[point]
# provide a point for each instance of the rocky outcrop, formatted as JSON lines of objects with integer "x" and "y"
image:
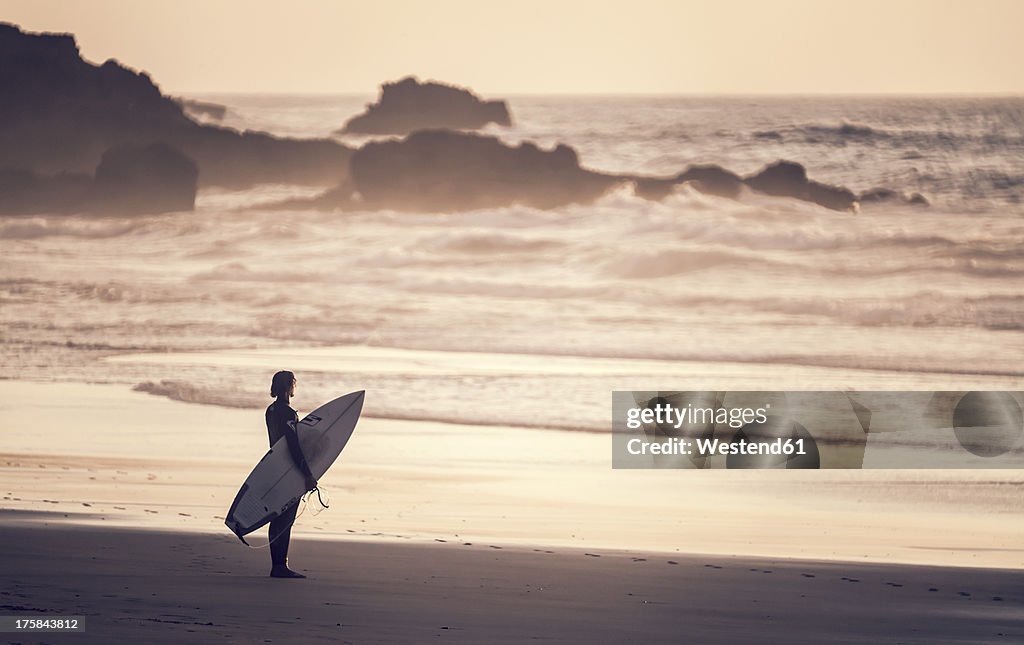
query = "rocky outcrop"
{"x": 24, "y": 192}
{"x": 789, "y": 179}
{"x": 709, "y": 179}
{"x": 445, "y": 171}
{"x": 129, "y": 180}
{"x": 145, "y": 179}
{"x": 442, "y": 170}
{"x": 781, "y": 179}
{"x": 60, "y": 113}
{"x": 887, "y": 195}
{"x": 409, "y": 105}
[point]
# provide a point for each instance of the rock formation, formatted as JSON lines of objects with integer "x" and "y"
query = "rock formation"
{"x": 789, "y": 179}
{"x": 145, "y": 179}
{"x": 60, "y": 113}
{"x": 710, "y": 179}
{"x": 129, "y": 180}
{"x": 408, "y": 105}
{"x": 442, "y": 170}
{"x": 882, "y": 195}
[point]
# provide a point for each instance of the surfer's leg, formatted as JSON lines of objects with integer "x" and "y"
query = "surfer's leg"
{"x": 281, "y": 534}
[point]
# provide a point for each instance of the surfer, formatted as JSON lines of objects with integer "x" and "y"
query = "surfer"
{"x": 279, "y": 413}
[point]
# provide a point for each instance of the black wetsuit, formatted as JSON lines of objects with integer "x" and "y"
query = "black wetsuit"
{"x": 278, "y": 416}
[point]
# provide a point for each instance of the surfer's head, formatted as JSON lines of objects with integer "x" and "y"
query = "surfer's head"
{"x": 283, "y": 384}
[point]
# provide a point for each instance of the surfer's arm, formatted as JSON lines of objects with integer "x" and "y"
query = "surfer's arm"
{"x": 292, "y": 438}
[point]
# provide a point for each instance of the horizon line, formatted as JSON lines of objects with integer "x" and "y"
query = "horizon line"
{"x": 355, "y": 94}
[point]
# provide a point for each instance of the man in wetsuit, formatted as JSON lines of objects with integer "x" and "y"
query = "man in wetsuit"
{"x": 279, "y": 413}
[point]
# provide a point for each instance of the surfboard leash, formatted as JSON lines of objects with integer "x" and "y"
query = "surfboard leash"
{"x": 321, "y": 499}
{"x": 282, "y": 531}
{"x": 297, "y": 516}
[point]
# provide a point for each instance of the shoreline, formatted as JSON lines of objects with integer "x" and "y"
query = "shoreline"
{"x": 143, "y": 461}
{"x": 162, "y": 586}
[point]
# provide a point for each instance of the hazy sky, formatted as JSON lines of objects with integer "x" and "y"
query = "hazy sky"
{"x": 553, "y": 46}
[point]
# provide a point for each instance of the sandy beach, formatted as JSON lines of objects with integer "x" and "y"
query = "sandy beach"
{"x": 137, "y": 460}
{"x": 172, "y": 587}
{"x": 470, "y": 534}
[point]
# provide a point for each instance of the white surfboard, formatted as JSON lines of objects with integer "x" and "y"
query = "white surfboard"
{"x": 276, "y": 482}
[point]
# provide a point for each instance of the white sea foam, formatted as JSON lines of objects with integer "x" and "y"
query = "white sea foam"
{"x": 893, "y": 296}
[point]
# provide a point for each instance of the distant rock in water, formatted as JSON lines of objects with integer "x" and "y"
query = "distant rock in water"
{"x": 789, "y": 179}
{"x": 24, "y": 192}
{"x": 443, "y": 170}
{"x": 409, "y": 105}
{"x": 887, "y": 195}
{"x": 202, "y": 110}
{"x": 709, "y": 179}
{"x": 59, "y": 113}
{"x": 447, "y": 171}
{"x": 129, "y": 180}
{"x": 146, "y": 179}
{"x": 782, "y": 179}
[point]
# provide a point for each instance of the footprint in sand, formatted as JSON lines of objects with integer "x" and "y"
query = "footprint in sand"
{"x": 807, "y": 575}
{"x": 894, "y": 584}
{"x": 121, "y": 508}
{"x": 672, "y": 562}
{"x": 964, "y": 594}
{"x": 439, "y": 540}
{"x": 850, "y": 579}
{"x": 594, "y": 555}
{"x": 149, "y": 511}
{"x": 997, "y": 599}
{"x": 712, "y": 566}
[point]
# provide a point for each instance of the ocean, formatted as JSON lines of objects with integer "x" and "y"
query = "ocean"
{"x": 516, "y": 316}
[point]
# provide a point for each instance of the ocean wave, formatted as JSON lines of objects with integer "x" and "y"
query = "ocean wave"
{"x": 67, "y": 226}
{"x": 923, "y": 309}
{"x": 241, "y": 399}
{"x": 240, "y": 272}
{"x": 814, "y": 133}
{"x": 181, "y": 391}
{"x": 487, "y": 242}
{"x": 465, "y": 286}
{"x": 669, "y": 262}
{"x": 846, "y": 132}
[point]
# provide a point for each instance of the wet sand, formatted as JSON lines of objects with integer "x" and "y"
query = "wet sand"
{"x": 105, "y": 455}
{"x": 139, "y": 586}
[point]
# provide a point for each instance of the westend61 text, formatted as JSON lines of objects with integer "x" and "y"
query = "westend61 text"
{"x": 708, "y": 447}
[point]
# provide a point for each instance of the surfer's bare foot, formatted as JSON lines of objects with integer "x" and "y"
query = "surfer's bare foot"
{"x": 283, "y": 571}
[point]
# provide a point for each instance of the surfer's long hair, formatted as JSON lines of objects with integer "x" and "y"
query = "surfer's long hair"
{"x": 282, "y": 383}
